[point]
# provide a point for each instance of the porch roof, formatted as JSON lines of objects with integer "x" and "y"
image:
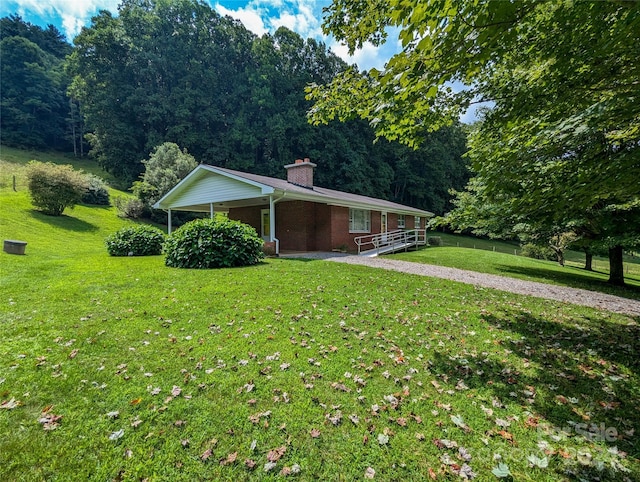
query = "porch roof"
{"x": 226, "y": 188}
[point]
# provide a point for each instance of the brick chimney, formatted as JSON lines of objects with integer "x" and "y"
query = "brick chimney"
{"x": 300, "y": 172}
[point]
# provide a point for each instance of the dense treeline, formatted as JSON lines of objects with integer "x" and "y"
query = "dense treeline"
{"x": 176, "y": 71}
{"x": 34, "y": 108}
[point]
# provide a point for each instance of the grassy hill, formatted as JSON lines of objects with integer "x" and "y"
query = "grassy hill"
{"x": 123, "y": 369}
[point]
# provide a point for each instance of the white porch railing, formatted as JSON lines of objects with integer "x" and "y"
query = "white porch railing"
{"x": 390, "y": 242}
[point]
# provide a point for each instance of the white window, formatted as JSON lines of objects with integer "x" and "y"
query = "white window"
{"x": 359, "y": 221}
{"x": 417, "y": 222}
{"x": 401, "y": 220}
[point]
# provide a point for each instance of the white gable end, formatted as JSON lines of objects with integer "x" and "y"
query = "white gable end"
{"x": 212, "y": 188}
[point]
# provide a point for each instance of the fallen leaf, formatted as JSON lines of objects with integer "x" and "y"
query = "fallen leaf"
{"x": 275, "y": 454}
{"x": 501, "y": 471}
{"x": 206, "y": 454}
{"x": 459, "y": 421}
{"x": 502, "y": 423}
{"x": 340, "y": 386}
{"x": 370, "y": 473}
{"x": 231, "y": 458}
{"x": 541, "y": 463}
{"x": 10, "y": 404}
{"x": 506, "y": 435}
{"x": 250, "y": 464}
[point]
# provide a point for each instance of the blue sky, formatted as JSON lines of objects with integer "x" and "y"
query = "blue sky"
{"x": 259, "y": 16}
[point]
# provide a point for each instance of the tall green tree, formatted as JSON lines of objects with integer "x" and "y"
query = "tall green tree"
{"x": 167, "y": 166}
{"x": 563, "y": 135}
{"x": 164, "y": 70}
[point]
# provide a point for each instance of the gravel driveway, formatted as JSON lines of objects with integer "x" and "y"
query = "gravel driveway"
{"x": 565, "y": 294}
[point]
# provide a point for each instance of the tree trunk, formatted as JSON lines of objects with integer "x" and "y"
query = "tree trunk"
{"x": 616, "y": 266}
{"x": 588, "y": 261}
{"x": 559, "y": 254}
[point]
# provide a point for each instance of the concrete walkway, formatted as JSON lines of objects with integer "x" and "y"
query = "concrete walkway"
{"x": 577, "y": 296}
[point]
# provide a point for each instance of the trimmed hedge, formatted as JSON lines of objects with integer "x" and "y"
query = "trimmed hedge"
{"x": 213, "y": 243}
{"x": 141, "y": 240}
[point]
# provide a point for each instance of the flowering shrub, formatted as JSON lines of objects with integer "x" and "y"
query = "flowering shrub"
{"x": 141, "y": 240}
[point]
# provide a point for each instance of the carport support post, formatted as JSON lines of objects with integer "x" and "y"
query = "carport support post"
{"x": 272, "y": 220}
{"x": 169, "y": 221}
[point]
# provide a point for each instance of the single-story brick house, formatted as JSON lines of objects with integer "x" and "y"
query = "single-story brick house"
{"x": 293, "y": 214}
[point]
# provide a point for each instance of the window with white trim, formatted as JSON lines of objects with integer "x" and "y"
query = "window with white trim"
{"x": 359, "y": 221}
{"x": 401, "y": 221}
{"x": 416, "y": 222}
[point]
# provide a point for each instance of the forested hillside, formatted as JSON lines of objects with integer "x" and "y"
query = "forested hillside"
{"x": 35, "y": 109}
{"x": 176, "y": 71}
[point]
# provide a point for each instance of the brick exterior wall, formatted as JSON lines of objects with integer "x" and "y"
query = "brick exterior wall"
{"x": 308, "y": 226}
{"x": 294, "y": 225}
{"x": 249, "y": 215}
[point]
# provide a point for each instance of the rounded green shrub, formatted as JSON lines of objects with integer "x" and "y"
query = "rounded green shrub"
{"x": 129, "y": 207}
{"x": 54, "y": 187}
{"x": 141, "y": 240}
{"x": 96, "y": 192}
{"x": 434, "y": 241}
{"x": 213, "y": 243}
{"x": 536, "y": 251}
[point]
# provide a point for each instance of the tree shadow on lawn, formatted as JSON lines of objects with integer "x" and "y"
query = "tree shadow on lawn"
{"x": 585, "y": 371}
{"x": 576, "y": 278}
{"x": 64, "y": 222}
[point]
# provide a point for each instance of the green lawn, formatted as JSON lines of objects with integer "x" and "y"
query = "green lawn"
{"x": 12, "y": 161}
{"x": 124, "y": 369}
{"x": 485, "y": 260}
{"x": 572, "y": 258}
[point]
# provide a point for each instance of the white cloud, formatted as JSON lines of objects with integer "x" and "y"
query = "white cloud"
{"x": 262, "y": 16}
{"x": 368, "y": 57}
{"x": 72, "y": 25}
{"x": 250, "y": 17}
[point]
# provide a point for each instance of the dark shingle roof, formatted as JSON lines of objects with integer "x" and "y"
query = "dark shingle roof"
{"x": 324, "y": 195}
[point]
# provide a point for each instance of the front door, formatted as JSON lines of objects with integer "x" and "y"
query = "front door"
{"x": 265, "y": 224}
{"x": 383, "y": 226}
